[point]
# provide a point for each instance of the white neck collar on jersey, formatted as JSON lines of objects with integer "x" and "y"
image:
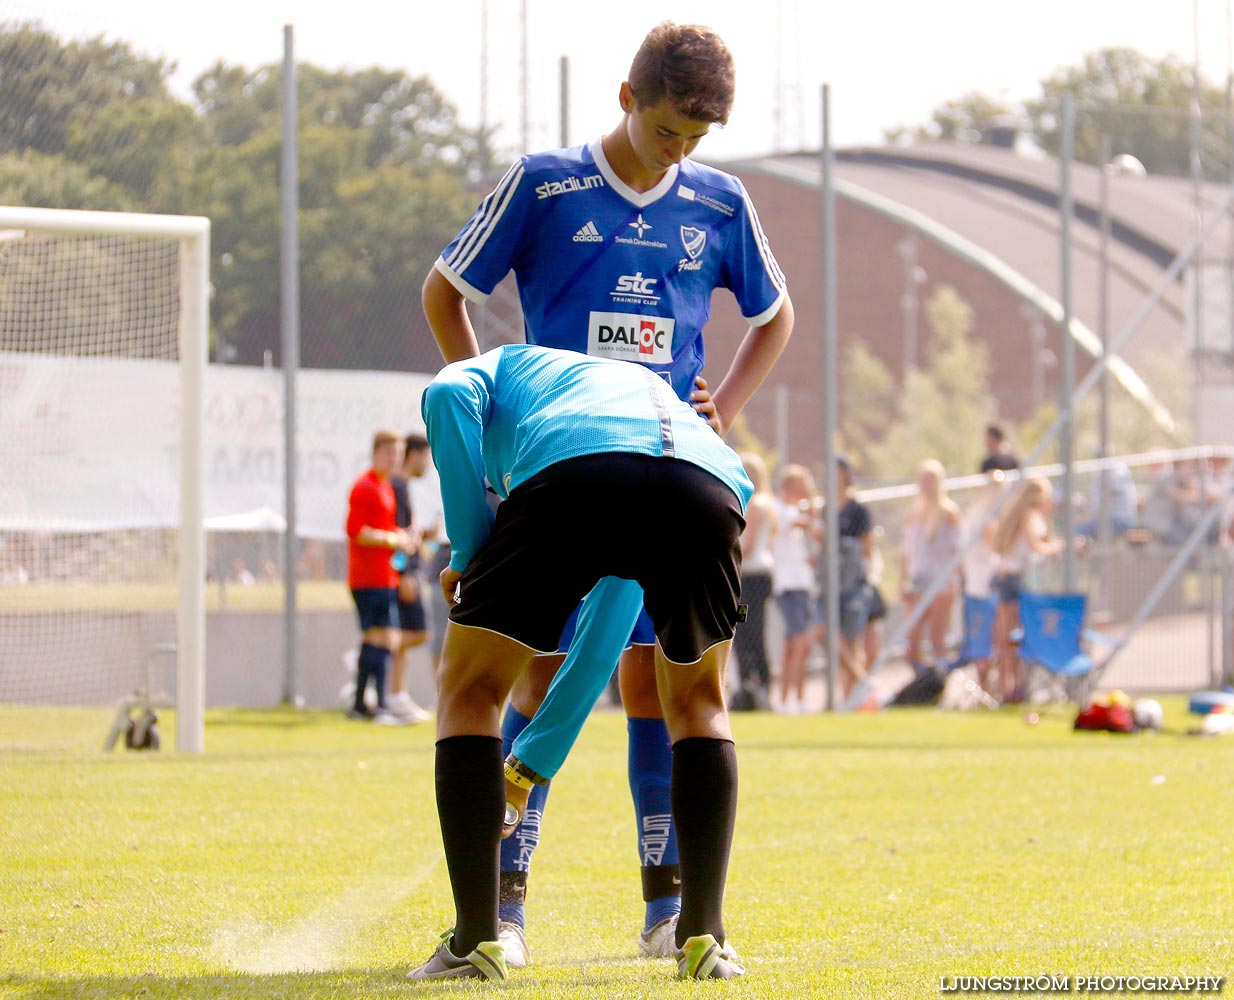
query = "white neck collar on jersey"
{"x": 640, "y": 199}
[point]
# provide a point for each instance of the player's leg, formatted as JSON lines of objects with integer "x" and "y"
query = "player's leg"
{"x": 378, "y": 620}
{"x": 940, "y": 618}
{"x": 413, "y": 626}
{"x": 650, "y": 770}
{"x": 691, "y": 585}
{"x": 704, "y": 798}
{"x": 917, "y": 632}
{"x": 854, "y": 616}
{"x": 478, "y": 667}
{"x": 513, "y": 599}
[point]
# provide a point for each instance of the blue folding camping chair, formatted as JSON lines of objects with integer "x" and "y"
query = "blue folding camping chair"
{"x": 1053, "y": 638}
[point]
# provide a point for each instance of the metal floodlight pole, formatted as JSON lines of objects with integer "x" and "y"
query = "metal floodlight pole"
{"x": 831, "y": 511}
{"x": 1103, "y": 324}
{"x": 523, "y": 73}
{"x": 290, "y": 266}
{"x": 907, "y": 248}
{"x": 564, "y": 123}
{"x": 781, "y": 402}
{"x": 1066, "y": 382}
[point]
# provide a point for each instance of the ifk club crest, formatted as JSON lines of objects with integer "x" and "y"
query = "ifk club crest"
{"x": 694, "y": 240}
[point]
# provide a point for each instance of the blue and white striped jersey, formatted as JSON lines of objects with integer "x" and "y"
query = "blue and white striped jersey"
{"x": 614, "y": 273}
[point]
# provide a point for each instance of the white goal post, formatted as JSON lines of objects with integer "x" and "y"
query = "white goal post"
{"x": 192, "y": 236}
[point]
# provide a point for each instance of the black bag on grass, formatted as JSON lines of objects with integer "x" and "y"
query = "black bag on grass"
{"x": 924, "y": 689}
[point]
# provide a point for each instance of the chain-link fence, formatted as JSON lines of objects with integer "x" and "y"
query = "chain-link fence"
{"x": 951, "y": 305}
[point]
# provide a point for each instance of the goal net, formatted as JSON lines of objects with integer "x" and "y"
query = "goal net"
{"x": 103, "y": 320}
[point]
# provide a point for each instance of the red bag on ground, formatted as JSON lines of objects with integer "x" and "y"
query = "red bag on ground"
{"x": 1106, "y": 718}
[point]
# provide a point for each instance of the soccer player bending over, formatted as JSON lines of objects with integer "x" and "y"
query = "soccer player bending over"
{"x": 617, "y": 247}
{"x": 558, "y": 436}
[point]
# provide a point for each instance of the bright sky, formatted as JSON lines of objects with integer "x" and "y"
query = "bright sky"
{"x": 888, "y": 62}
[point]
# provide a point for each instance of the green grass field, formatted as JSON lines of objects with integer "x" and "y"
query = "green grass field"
{"x": 874, "y": 854}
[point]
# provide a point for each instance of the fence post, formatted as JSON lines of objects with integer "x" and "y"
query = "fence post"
{"x": 1066, "y": 382}
{"x": 831, "y": 584}
{"x": 291, "y": 356}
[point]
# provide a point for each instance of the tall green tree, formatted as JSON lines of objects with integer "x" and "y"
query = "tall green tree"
{"x": 1143, "y": 105}
{"x": 963, "y": 119}
{"x": 388, "y": 174}
{"x": 383, "y": 167}
{"x": 47, "y": 85}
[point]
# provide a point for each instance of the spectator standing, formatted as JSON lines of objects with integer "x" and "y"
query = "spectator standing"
{"x": 999, "y": 456}
{"x": 373, "y": 536}
{"x": 856, "y": 526}
{"x": 977, "y": 530}
{"x": 1173, "y": 502}
{"x": 931, "y": 542}
{"x": 872, "y": 639}
{"x": 413, "y": 623}
{"x": 1121, "y": 506}
{"x": 792, "y": 579}
{"x": 1024, "y": 534}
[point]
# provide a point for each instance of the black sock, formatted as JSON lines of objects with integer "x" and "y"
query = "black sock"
{"x": 471, "y": 796}
{"x": 362, "y": 674}
{"x": 705, "y": 811}
{"x": 371, "y": 665}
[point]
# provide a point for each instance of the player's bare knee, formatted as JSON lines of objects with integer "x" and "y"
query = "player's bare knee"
{"x": 531, "y": 686}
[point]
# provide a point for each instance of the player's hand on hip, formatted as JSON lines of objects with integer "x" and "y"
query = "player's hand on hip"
{"x": 449, "y": 583}
{"x": 704, "y": 406}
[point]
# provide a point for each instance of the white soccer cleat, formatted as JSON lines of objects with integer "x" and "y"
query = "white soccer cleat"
{"x": 660, "y": 941}
{"x": 484, "y": 962}
{"x": 514, "y": 943}
{"x": 703, "y": 957}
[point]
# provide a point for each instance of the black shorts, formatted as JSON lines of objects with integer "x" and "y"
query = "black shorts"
{"x": 376, "y": 607}
{"x": 1007, "y": 586}
{"x": 670, "y": 525}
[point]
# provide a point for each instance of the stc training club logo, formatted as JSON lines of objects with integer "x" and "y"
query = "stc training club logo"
{"x": 631, "y": 337}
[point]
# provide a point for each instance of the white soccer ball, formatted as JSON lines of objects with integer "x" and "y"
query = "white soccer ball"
{"x": 1148, "y": 713}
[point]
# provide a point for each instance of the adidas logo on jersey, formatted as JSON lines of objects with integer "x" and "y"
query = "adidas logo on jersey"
{"x": 588, "y": 234}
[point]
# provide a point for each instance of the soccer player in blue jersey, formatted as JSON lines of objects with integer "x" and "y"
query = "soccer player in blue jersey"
{"x": 617, "y": 246}
{"x": 559, "y": 436}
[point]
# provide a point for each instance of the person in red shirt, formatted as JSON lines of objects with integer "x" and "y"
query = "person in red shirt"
{"x": 374, "y": 538}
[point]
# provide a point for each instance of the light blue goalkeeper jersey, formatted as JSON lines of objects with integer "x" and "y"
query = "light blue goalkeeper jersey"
{"x": 611, "y": 272}
{"x": 518, "y": 409}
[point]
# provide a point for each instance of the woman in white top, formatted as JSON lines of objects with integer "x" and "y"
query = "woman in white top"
{"x": 756, "y": 567}
{"x": 1023, "y": 534}
{"x": 977, "y": 531}
{"x": 931, "y": 541}
{"x": 792, "y": 578}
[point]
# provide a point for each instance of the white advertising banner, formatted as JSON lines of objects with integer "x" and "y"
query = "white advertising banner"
{"x": 92, "y": 444}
